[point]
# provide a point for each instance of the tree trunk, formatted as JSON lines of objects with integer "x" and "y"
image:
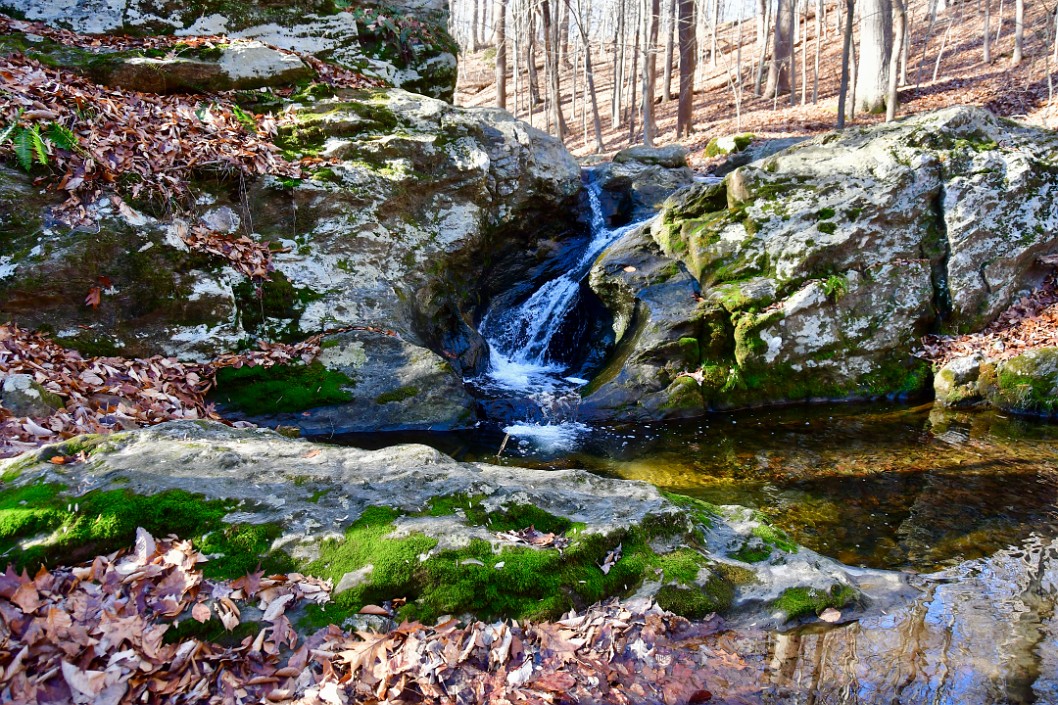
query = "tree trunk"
{"x": 650, "y": 68}
{"x": 779, "y": 71}
{"x": 819, "y": 39}
{"x": 475, "y": 38}
{"x": 986, "y": 52}
{"x": 632, "y": 75}
{"x": 712, "y": 33}
{"x": 899, "y": 22}
{"x": 551, "y": 64}
{"x": 619, "y": 65}
{"x": 501, "y": 55}
{"x": 530, "y": 64}
{"x": 688, "y": 52}
{"x": 762, "y": 47}
{"x": 1019, "y": 33}
{"x": 846, "y": 57}
{"x": 876, "y": 47}
{"x": 670, "y": 31}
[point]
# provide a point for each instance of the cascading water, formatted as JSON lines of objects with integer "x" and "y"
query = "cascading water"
{"x": 522, "y": 361}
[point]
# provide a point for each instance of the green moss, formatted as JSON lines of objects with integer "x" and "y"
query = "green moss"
{"x": 397, "y": 395}
{"x": 824, "y": 214}
{"x": 714, "y": 597}
{"x": 827, "y": 227}
{"x": 273, "y": 306}
{"x": 1025, "y": 384}
{"x": 281, "y": 388}
{"x": 39, "y": 525}
{"x": 800, "y": 601}
{"x": 835, "y": 287}
{"x": 690, "y": 350}
{"x": 705, "y": 513}
{"x": 773, "y": 537}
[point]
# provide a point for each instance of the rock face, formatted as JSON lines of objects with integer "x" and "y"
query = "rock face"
{"x": 316, "y": 494}
{"x": 811, "y": 274}
{"x": 423, "y": 60}
{"x": 639, "y": 179}
{"x": 423, "y": 202}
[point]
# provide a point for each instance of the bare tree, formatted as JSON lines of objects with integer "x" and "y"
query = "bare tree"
{"x": 820, "y": 24}
{"x": 580, "y": 22}
{"x": 688, "y": 53}
{"x": 899, "y": 22}
{"x": 670, "y": 32}
{"x": 650, "y": 69}
{"x": 554, "y": 97}
{"x": 876, "y": 46}
{"x": 763, "y": 35}
{"x": 846, "y": 57}
{"x": 986, "y": 53}
{"x": 782, "y": 52}
{"x": 619, "y": 64}
{"x": 1019, "y": 33}
{"x": 501, "y": 55}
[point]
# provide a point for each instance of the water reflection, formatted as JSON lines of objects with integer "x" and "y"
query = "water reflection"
{"x": 883, "y": 487}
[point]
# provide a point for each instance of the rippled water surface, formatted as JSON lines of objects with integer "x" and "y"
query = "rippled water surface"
{"x": 965, "y": 503}
{"x": 884, "y": 487}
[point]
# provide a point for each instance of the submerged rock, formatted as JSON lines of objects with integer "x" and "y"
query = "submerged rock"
{"x": 410, "y": 521}
{"x": 811, "y": 274}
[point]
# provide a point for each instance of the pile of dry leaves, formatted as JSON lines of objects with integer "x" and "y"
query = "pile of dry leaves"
{"x": 148, "y": 144}
{"x": 1031, "y": 322}
{"x": 96, "y": 634}
{"x": 103, "y": 394}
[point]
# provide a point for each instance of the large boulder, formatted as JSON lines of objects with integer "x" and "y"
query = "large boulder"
{"x": 398, "y": 235}
{"x": 815, "y": 271}
{"x": 410, "y": 49}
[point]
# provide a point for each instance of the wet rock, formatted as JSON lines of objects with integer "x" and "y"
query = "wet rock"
{"x": 671, "y": 156}
{"x": 317, "y": 492}
{"x": 428, "y": 210}
{"x": 821, "y": 266}
{"x": 1025, "y": 384}
{"x": 394, "y": 385}
{"x": 640, "y": 178}
{"x": 955, "y": 384}
{"x": 22, "y": 396}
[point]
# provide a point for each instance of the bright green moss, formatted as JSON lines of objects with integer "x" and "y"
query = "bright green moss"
{"x": 835, "y": 287}
{"x": 41, "y": 526}
{"x": 824, "y": 214}
{"x": 715, "y": 596}
{"x": 800, "y": 601}
{"x": 397, "y": 395}
{"x": 703, "y": 512}
{"x": 827, "y": 227}
{"x": 281, "y": 388}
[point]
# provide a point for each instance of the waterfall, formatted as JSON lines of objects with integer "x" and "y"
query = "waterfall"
{"x": 520, "y": 339}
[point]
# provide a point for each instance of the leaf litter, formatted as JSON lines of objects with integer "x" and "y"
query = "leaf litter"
{"x": 96, "y": 633}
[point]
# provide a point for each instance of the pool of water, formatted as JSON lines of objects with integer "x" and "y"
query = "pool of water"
{"x": 897, "y": 487}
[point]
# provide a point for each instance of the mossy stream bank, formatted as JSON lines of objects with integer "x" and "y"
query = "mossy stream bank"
{"x": 410, "y": 527}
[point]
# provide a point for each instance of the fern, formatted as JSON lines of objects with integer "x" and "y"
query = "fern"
{"x": 23, "y": 144}
{"x": 30, "y": 144}
{"x": 40, "y": 150}
{"x": 62, "y": 137}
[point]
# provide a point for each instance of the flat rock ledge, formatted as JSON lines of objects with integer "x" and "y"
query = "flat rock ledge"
{"x": 318, "y": 493}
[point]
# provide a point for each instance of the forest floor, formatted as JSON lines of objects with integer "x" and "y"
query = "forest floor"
{"x": 961, "y": 79}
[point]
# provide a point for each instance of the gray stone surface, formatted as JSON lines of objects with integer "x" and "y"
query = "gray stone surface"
{"x": 22, "y": 396}
{"x": 820, "y": 267}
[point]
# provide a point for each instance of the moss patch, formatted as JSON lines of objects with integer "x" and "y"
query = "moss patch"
{"x": 800, "y": 601}
{"x": 41, "y": 526}
{"x": 281, "y": 388}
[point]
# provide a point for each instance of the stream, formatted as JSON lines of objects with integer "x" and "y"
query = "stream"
{"x": 963, "y": 504}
